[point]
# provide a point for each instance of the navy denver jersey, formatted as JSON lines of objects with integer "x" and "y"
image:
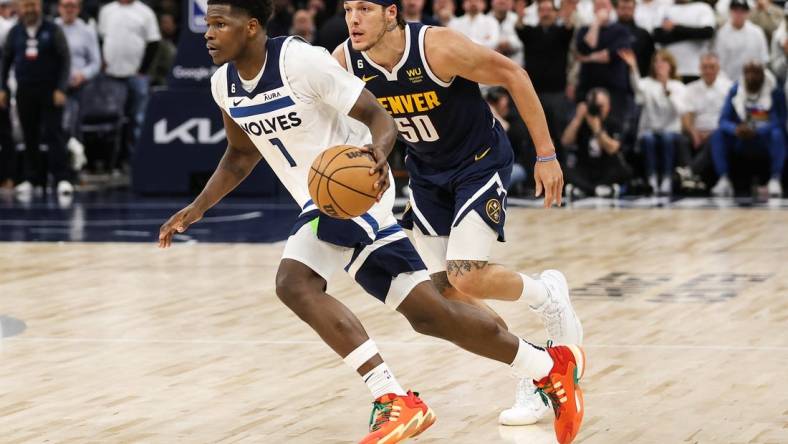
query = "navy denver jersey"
{"x": 442, "y": 123}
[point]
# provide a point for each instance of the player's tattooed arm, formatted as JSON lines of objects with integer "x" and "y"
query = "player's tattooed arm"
{"x": 461, "y": 267}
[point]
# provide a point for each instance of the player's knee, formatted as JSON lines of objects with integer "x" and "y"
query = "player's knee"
{"x": 291, "y": 290}
{"x": 470, "y": 282}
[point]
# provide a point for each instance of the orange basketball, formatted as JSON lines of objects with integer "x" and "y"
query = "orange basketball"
{"x": 340, "y": 184}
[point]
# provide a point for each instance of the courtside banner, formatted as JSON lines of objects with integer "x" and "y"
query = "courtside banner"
{"x": 181, "y": 144}
{"x": 193, "y": 67}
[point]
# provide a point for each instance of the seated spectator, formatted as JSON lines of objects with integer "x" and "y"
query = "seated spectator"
{"x": 779, "y": 50}
{"x": 443, "y": 11}
{"x": 85, "y": 57}
{"x": 739, "y": 41}
{"x": 686, "y": 31}
{"x": 413, "y": 12}
{"x": 547, "y": 57}
{"x": 319, "y": 12}
{"x": 642, "y": 43}
{"x": 595, "y": 165}
{"x": 280, "y": 22}
{"x": 508, "y": 42}
{"x": 601, "y": 66}
{"x": 660, "y": 96}
{"x": 303, "y": 25}
{"x": 475, "y": 25}
{"x": 703, "y": 101}
{"x": 37, "y": 50}
{"x": 753, "y": 119}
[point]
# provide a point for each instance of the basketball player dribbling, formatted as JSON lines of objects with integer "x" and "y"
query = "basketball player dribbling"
{"x": 460, "y": 160}
{"x": 285, "y": 101}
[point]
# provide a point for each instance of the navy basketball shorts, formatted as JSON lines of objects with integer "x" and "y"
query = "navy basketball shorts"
{"x": 372, "y": 249}
{"x": 458, "y": 213}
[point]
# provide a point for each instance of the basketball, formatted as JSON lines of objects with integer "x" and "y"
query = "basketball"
{"x": 340, "y": 184}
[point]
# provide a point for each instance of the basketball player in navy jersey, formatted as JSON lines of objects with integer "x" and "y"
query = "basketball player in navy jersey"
{"x": 460, "y": 161}
{"x": 285, "y": 101}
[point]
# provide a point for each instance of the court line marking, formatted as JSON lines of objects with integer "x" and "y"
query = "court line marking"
{"x": 126, "y": 222}
{"x": 24, "y": 338}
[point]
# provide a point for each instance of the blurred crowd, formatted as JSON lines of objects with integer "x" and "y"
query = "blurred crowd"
{"x": 654, "y": 97}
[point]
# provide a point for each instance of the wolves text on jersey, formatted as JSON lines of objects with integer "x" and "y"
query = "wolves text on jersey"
{"x": 270, "y": 125}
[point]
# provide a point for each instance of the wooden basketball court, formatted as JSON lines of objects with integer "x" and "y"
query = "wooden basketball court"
{"x": 685, "y": 314}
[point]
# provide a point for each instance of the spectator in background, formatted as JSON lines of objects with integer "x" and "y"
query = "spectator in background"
{"x": 508, "y": 42}
{"x": 739, "y": 41}
{"x": 703, "y": 100}
{"x": 686, "y": 31}
{"x": 319, "y": 12}
{"x": 131, "y": 38}
{"x": 85, "y": 58}
{"x": 413, "y": 11}
{"x": 547, "y": 57}
{"x": 165, "y": 54}
{"x": 280, "y": 22}
{"x": 660, "y": 96}
{"x": 752, "y": 119}
{"x": 601, "y": 66}
{"x": 642, "y": 43}
{"x": 499, "y": 102}
{"x": 595, "y": 164}
{"x": 767, "y": 16}
{"x": 779, "y": 52}
{"x": 334, "y": 30}
{"x": 303, "y": 25}
{"x": 38, "y": 51}
{"x": 649, "y": 13}
{"x": 8, "y": 162}
{"x": 480, "y": 28}
{"x": 443, "y": 11}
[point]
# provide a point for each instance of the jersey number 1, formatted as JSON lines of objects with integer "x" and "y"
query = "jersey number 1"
{"x": 278, "y": 143}
{"x": 417, "y": 129}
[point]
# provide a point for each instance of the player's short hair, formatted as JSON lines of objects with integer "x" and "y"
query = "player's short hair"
{"x": 257, "y": 9}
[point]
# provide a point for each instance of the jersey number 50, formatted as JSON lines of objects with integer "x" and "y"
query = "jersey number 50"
{"x": 417, "y": 129}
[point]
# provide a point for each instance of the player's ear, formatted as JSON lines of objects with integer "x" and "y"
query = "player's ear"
{"x": 253, "y": 27}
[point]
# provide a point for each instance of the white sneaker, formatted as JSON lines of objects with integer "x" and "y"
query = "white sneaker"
{"x": 560, "y": 319}
{"x": 24, "y": 188}
{"x": 77, "y": 150}
{"x": 64, "y": 187}
{"x": 528, "y": 406}
{"x": 652, "y": 182}
{"x": 603, "y": 191}
{"x": 666, "y": 186}
{"x": 774, "y": 187}
{"x": 723, "y": 188}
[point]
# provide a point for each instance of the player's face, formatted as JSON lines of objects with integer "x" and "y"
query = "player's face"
{"x": 227, "y": 33}
{"x": 367, "y": 23}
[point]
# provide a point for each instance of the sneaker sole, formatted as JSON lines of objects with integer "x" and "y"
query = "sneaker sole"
{"x": 565, "y": 285}
{"x": 418, "y": 424}
{"x": 580, "y": 360}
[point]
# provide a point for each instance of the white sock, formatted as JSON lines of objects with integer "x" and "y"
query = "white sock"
{"x": 534, "y": 291}
{"x": 531, "y": 361}
{"x": 381, "y": 380}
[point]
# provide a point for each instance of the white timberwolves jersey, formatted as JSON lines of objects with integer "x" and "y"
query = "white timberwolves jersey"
{"x": 297, "y": 109}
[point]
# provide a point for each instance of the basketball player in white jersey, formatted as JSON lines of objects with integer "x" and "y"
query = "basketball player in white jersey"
{"x": 286, "y": 101}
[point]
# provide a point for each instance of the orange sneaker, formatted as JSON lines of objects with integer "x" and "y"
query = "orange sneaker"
{"x": 560, "y": 387}
{"x": 396, "y": 418}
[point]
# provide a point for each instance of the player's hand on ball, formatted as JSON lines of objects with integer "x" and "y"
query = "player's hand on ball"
{"x": 550, "y": 179}
{"x": 178, "y": 223}
{"x": 381, "y": 167}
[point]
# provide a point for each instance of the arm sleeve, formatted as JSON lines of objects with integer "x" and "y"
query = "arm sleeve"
{"x": 147, "y": 59}
{"x": 494, "y": 35}
{"x": 152, "y": 33}
{"x": 315, "y": 76}
{"x": 94, "y": 66}
{"x": 8, "y": 59}
{"x": 61, "y": 49}
{"x": 101, "y": 23}
{"x": 776, "y": 114}
{"x": 778, "y": 62}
